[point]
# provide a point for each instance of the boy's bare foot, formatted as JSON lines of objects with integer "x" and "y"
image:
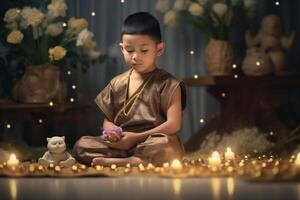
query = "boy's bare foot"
{"x": 107, "y": 162}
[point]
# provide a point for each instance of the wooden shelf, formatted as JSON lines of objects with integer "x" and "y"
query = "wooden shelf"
{"x": 245, "y": 101}
{"x": 30, "y": 111}
{"x": 244, "y": 80}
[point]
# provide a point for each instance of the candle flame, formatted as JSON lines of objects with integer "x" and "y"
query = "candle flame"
{"x": 12, "y": 161}
{"x": 176, "y": 164}
{"x": 297, "y": 160}
{"x": 215, "y": 155}
{"x": 12, "y": 157}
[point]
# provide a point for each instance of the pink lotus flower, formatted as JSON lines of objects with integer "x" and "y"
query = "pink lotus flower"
{"x": 112, "y": 134}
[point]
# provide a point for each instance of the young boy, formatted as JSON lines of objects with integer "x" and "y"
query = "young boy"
{"x": 145, "y": 101}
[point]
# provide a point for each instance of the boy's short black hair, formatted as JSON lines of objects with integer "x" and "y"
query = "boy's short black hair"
{"x": 142, "y": 23}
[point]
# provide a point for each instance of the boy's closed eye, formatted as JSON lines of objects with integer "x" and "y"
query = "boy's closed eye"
{"x": 129, "y": 50}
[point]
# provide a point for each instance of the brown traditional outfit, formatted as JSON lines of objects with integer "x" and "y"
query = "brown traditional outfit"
{"x": 144, "y": 110}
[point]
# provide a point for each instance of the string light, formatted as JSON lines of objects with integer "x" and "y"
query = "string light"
{"x": 234, "y": 66}
{"x": 223, "y": 94}
{"x": 51, "y": 103}
{"x": 8, "y": 126}
{"x": 277, "y": 3}
{"x": 236, "y": 76}
{"x": 69, "y": 72}
{"x": 64, "y": 24}
{"x": 93, "y": 13}
{"x": 40, "y": 121}
{"x": 122, "y": 1}
{"x": 201, "y": 120}
{"x": 73, "y": 87}
{"x": 196, "y": 76}
{"x": 192, "y": 52}
{"x": 72, "y": 100}
{"x": 271, "y": 133}
{"x": 258, "y": 63}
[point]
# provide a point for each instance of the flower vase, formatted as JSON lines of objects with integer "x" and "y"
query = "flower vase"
{"x": 40, "y": 84}
{"x": 218, "y": 57}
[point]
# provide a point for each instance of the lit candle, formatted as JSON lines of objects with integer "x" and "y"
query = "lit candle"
{"x": 166, "y": 165}
{"x": 215, "y": 159}
{"x": 128, "y": 165}
{"x": 83, "y": 167}
{"x": 57, "y": 169}
{"x": 127, "y": 170}
{"x": 141, "y": 167}
{"x": 157, "y": 169}
{"x": 113, "y": 167}
{"x": 297, "y": 161}
{"x": 51, "y": 166}
{"x": 176, "y": 165}
{"x": 31, "y": 168}
{"x": 229, "y": 155}
{"x": 99, "y": 167}
{"x": 150, "y": 166}
{"x": 13, "y": 162}
{"x": 41, "y": 168}
{"x": 74, "y": 168}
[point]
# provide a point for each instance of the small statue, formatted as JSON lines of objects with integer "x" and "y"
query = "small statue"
{"x": 57, "y": 153}
{"x": 257, "y": 63}
{"x": 270, "y": 41}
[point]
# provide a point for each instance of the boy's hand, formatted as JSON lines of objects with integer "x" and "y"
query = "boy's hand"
{"x": 128, "y": 140}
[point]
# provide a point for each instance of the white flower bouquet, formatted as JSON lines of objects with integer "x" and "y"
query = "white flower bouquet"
{"x": 44, "y": 34}
{"x": 241, "y": 141}
{"x": 215, "y": 17}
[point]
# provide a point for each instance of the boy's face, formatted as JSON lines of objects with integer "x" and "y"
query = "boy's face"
{"x": 140, "y": 51}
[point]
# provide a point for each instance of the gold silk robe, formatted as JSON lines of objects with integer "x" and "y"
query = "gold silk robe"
{"x": 144, "y": 110}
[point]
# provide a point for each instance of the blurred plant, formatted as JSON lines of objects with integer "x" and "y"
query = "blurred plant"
{"x": 215, "y": 17}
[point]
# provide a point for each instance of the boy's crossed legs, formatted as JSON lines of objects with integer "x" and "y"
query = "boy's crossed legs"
{"x": 107, "y": 162}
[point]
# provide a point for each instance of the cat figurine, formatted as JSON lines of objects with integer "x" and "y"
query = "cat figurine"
{"x": 56, "y": 153}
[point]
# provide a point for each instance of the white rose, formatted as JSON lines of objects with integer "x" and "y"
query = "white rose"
{"x": 179, "y": 5}
{"x": 25, "y": 13}
{"x": 220, "y": 9}
{"x": 170, "y": 18}
{"x": 94, "y": 54}
{"x": 57, "y": 8}
{"x": 77, "y": 25}
{"x": 249, "y": 3}
{"x": 54, "y": 29}
{"x": 32, "y": 16}
{"x": 57, "y": 53}
{"x": 12, "y": 15}
{"x": 84, "y": 37}
{"x": 196, "y": 10}
{"x": 15, "y": 37}
{"x": 202, "y": 2}
{"x": 162, "y": 5}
